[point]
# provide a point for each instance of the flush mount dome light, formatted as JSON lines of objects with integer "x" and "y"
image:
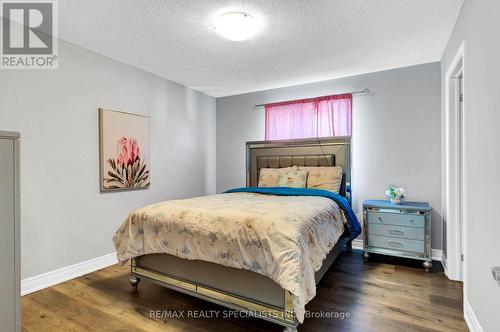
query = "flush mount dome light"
{"x": 236, "y": 26}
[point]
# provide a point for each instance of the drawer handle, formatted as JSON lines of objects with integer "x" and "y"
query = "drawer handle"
{"x": 395, "y": 244}
{"x": 380, "y": 219}
{"x": 395, "y": 232}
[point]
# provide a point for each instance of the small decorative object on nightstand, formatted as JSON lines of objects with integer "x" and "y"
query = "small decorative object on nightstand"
{"x": 402, "y": 230}
{"x": 395, "y": 194}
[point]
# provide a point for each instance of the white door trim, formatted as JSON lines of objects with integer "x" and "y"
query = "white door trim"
{"x": 454, "y": 171}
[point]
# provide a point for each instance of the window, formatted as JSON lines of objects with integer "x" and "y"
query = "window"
{"x": 314, "y": 117}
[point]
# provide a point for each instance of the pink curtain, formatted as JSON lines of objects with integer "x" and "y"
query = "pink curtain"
{"x": 314, "y": 117}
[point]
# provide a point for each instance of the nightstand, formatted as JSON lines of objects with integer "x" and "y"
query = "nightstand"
{"x": 402, "y": 230}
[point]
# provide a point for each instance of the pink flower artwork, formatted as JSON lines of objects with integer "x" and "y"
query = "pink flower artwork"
{"x": 127, "y": 151}
{"x": 127, "y": 169}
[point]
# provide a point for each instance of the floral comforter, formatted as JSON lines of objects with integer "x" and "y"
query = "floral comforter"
{"x": 285, "y": 238}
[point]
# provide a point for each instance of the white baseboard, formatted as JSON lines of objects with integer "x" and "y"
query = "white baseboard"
{"x": 437, "y": 254}
{"x": 357, "y": 244}
{"x": 444, "y": 262}
{"x": 44, "y": 280}
{"x": 471, "y": 319}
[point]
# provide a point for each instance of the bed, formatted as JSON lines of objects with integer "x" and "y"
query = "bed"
{"x": 225, "y": 249}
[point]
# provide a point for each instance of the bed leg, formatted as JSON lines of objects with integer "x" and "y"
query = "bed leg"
{"x": 134, "y": 281}
{"x": 427, "y": 265}
{"x": 290, "y": 329}
{"x": 348, "y": 246}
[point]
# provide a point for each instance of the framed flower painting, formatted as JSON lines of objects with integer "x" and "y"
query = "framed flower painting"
{"x": 124, "y": 151}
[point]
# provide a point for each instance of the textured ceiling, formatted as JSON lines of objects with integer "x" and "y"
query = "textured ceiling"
{"x": 302, "y": 41}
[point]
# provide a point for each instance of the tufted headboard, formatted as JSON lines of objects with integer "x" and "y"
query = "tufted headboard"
{"x": 332, "y": 151}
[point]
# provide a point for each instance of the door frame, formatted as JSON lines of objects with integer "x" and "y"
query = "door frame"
{"x": 454, "y": 169}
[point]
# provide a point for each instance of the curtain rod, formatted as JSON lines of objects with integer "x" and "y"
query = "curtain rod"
{"x": 352, "y": 93}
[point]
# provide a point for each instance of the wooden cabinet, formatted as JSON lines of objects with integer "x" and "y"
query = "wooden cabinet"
{"x": 9, "y": 232}
{"x": 402, "y": 230}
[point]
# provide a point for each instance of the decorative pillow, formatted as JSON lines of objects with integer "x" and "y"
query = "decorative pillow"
{"x": 326, "y": 178}
{"x": 292, "y": 178}
{"x": 268, "y": 177}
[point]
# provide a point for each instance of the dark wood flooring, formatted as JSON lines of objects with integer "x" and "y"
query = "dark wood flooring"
{"x": 379, "y": 296}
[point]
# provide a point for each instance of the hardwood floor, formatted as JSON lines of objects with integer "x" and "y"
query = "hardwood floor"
{"x": 379, "y": 296}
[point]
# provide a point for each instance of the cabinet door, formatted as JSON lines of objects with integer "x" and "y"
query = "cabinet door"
{"x": 7, "y": 236}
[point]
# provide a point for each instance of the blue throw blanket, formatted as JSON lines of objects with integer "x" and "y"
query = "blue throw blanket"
{"x": 353, "y": 225}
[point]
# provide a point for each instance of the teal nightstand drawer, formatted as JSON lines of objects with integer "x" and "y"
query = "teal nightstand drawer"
{"x": 414, "y": 233}
{"x": 396, "y": 219}
{"x": 395, "y": 243}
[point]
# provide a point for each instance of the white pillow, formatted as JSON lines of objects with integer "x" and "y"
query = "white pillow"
{"x": 292, "y": 178}
{"x": 326, "y": 178}
{"x": 268, "y": 177}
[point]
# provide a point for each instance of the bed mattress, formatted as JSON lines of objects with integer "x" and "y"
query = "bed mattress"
{"x": 284, "y": 238}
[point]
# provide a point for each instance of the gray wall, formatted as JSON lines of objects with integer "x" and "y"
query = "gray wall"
{"x": 478, "y": 25}
{"x": 396, "y": 133}
{"x": 65, "y": 220}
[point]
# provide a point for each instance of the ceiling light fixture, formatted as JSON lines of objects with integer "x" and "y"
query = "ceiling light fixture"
{"x": 236, "y": 26}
